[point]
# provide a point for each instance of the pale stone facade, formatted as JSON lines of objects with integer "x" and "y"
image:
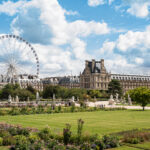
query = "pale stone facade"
{"x": 95, "y": 76}
{"x": 129, "y": 82}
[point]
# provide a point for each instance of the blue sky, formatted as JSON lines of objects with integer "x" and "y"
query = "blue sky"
{"x": 67, "y": 32}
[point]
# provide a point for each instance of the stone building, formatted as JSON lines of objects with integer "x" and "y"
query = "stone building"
{"x": 129, "y": 82}
{"x": 95, "y": 75}
{"x": 66, "y": 81}
{"x": 24, "y": 80}
{"x": 70, "y": 82}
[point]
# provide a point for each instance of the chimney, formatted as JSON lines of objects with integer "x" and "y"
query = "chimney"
{"x": 102, "y": 66}
{"x": 86, "y": 63}
{"x": 93, "y": 64}
{"x": 102, "y": 63}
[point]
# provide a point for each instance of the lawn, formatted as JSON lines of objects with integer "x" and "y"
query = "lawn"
{"x": 100, "y": 122}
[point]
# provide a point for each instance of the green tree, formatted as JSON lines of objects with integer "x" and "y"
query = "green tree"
{"x": 94, "y": 93}
{"x": 24, "y": 94}
{"x": 114, "y": 87}
{"x": 9, "y": 89}
{"x": 31, "y": 89}
{"x": 140, "y": 95}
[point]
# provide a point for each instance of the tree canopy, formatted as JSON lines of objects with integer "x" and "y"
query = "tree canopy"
{"x": 140, "y": 95}
{"x": 15, "y": 90}
{"x": 114, "y": 87}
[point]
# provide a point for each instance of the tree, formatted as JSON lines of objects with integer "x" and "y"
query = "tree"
{"x": 9, "y": 89}
{"x": 114, "y": 87}
{"x": 94, "y": 93}
{"x": 140, "y": 95}
{"x": 31, "y": 89}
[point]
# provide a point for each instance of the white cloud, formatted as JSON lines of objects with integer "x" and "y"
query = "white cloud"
{"x": 107, "y": 48}
{"x": 44, "y": 24}
{"x": 134, "y": 40}
{"x": 139, "y": 9}
{"x": 94, "y": 3}
{"x": 11, "y": 8}
{"x": 110, "y": 1}
{"x": 139, "y": 60}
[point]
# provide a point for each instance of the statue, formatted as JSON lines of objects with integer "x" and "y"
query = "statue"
{"x": 54, "y": 97}
{"x": 117, "y": 95}
{"x": 37, "y": 96}
{"x": 129, "y": 100}
{"x": 73, "y": 98}
{"x": 17, "y": 99}
{"x": 111, "y": 100}
{"x": 9, "y": 99}
{"x": 28, "y": 99}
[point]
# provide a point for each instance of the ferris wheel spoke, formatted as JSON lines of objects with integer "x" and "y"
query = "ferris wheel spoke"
{"x": 17, "y": 57}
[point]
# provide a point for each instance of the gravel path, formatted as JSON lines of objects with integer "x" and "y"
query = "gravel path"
{"x": 93, "y": 104}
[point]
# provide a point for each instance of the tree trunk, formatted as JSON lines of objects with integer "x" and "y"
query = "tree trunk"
{"x": 143, "y": 108}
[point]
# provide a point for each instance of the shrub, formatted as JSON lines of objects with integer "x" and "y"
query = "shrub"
{"x": 3, "y": 112}
{"x": 14, "y": 111}
{"x": 1, "y": 141}
{"x": 25, "y": 110}
{"x": 59, "y": 147}
{"x": 49, "y": 110}
{"x": 59, "y": 108}
{"x": 100, "y": 144}
{"x": 51, "y": 143}
{"x": 85, "y": 146}
{"x": 72, "y": 109}
{"x": 33, "y": 138}
{"x": 45, "y": 134}
{"x": 38, "y": 145}
{"x": 4, "y": 133}
{"x": 66, "y": 134}
{"x": 22, "y": 143}
{"x": 136, "y": 136}
{"x": 110, "y": 141}
{"x": 79, "y": 129}
{"x": 8, "y": 140}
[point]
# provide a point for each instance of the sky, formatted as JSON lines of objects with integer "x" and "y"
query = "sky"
{"x": 65, "y": 33}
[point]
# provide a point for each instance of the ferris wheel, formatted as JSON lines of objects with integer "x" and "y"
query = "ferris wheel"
{"x": 17, "y": 57}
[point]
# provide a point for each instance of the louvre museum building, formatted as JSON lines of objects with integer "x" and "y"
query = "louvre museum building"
{"x": 95, "y": 76}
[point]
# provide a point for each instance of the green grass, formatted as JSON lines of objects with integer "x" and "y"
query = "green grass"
{"x": 100, "y": 122}
{"x": 4, "y": 148}
{"x": 124, "y": 148}
{"x": 145, "y": 145}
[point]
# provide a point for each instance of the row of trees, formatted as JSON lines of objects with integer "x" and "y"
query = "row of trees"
{"x": 15, "y": 90}
{"x": 60, "y": 92}
{"x": 139, "y": 95}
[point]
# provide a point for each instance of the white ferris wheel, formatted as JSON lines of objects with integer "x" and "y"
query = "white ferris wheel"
{"x": 17, "y": 57}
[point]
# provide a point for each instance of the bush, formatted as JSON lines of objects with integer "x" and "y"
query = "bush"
{"x": 3, "y": 112}
{"x": 136, "y": 136}
{"x": 79, "y": 130}
{"x": 22, "y": 143}
{"x": 1, "y": 141}
{"x": 8, "y": 140}
{"x": 110, "y": 141}
{"x": 100, "y": 145}
{"x": 85, "y": 146}
{"x": 51, "y": 143}
{"x": 33, "y": 138}
{"x": 66, "y": 134}
{"x": 14, "y": 111}
{"x": 4, "y": 133}
{"x": 45, "y": 134}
